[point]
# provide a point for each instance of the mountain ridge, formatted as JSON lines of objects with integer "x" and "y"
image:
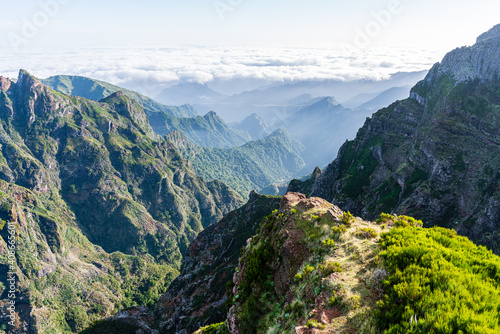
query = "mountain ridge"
{"x": 432, "y": 156}
{"x": 102, "y": 203}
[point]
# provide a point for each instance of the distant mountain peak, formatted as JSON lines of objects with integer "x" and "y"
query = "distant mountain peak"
{"x": 279, "y": 133}
{"x": 325, "y": 103}
{"x": 25, "y": 79}
{"x": 211, "y": 114}
{"x": 492, "y": 33}
{"x": 479, "y": 61}
{"x": 112, "y": 96}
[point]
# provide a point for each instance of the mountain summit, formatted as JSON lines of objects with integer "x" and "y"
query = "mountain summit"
{"x": 479, "y": 61}
{"x": 434, "y": 156}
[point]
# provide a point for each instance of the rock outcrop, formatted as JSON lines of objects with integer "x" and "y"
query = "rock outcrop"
{"x": 479, "y": 61}
{"x": 287, "y": 270}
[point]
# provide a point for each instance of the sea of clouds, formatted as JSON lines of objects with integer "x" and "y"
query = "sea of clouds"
{"x": 230, "y": 70}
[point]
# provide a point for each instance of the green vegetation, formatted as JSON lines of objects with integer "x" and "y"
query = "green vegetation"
{"x": 347, "y": 218}
{"x": 208, "y": 131}
{"x": 312, "y": 273}
{"x": 407, "y": 280}
{"x": 252, "y": 166}
{"x": 97, "y": 90}
{"x": 104, "y": 229}
{"x": 358, "y": 165}
{"x": 219, "y": 328}
{"x": 439, "y": 283}
{"x": 366, "y": 233}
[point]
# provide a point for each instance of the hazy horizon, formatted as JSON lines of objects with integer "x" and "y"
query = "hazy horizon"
{"x": 234, "y": 44}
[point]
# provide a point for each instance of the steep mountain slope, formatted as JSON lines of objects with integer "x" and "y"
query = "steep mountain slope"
{"x": 305, "y": 185}
{"x": 434, "y": 156}
{"x": 62, "y": 281}
{"x": 95, "y": 169}
{"x": 197, "y": 296}
{"x": 97, "y": 90}
{"x": 252, "y": 166}
{"x": 207, "y": 131}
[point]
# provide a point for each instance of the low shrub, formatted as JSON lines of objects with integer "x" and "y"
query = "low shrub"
{"x": 347, "y": 218}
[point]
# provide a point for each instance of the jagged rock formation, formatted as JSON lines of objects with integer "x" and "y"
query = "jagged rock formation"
{"x": 434, "y": 156}
{"x": 479, "y": 61}
{"x": 197, "y": 296}
{"x": 304, "y": 186}
{"x": 95, "y": 170}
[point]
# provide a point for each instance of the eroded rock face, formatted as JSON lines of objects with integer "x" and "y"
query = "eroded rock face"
{"x": 4, "y": 83}
{"x": 479, "y": 61}
{"x": 197, "y": 296}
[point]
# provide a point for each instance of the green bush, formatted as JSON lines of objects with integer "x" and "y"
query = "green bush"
{"x": 312, "y": 323}
{"x": 399, "y": 221}
{"x": 308, "y": 269}
{"x": 212, "y": 329}
{"x": 444, "y": 281}
{"x": 347, "y": 218}
{"x": 330, "y": 268}
{"x": 385, "y": 218}
{"x": 328, "y": 243}
{"x": 338, "y": 230}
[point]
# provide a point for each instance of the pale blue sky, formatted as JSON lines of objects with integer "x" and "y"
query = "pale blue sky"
{"x": 151, "y": 43}
{"x": 422, "y": 24}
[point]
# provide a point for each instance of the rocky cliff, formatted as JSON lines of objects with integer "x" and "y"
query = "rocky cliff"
{"x": 434, "y": 156}
{"x": 94, "y": 179}
{"x": 197, "y": 296}
{"x": 479, "y": 61}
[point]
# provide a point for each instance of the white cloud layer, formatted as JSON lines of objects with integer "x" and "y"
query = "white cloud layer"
{"x": 149, "y": 69}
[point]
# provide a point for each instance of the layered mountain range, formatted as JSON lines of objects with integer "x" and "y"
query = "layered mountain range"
{"x": 253, "y": 166}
